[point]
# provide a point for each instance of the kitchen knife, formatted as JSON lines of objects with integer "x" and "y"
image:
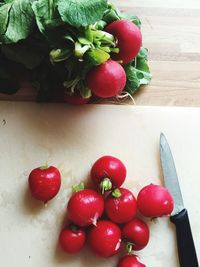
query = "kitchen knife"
{"x": 179, "y": 217}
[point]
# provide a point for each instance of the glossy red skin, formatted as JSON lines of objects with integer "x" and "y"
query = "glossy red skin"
{"x": 121, "y": 209}
{"x": 44, "y": 184}
{"x": 130, "y": 261}
{"x": 72, "y": 241}
{"x": 104, "y": 239}
{"x": 155, "y": 201}
{"x": 137, "y": 233}
{"x": 107, "y": 79}
{"x": 129, "y": 39}
{"x": 75, "y": 99}
{"x": 85, "y": 207}
{"x": 108, "y": 167}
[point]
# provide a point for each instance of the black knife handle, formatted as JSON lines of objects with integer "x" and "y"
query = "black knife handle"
{"x": 186, "y": 249}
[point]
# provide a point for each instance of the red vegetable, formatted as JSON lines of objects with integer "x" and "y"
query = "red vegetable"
{"x": 72, "y": 239}
{"x": 135, "y": 234}
{"x": 85, "y": 207}
{"x": 107, "y": 79}
{"x": 104, "y": 239}
{"x": 120, "y": 206}
{"x": 108, "y": 172}
{"x": 130, "y": 261}
{"x": 75, "y": 99}
{"x": 155, "y": 201}
{"x": 129, "y": 39}
{"x": 44, "y": 182}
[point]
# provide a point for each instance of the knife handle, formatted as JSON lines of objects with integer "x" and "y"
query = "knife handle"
{"x": 186, "y": 249}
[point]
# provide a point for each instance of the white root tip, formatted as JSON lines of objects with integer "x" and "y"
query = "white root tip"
{"x": 94, "y": 220}
{"x": 124, "y": 96}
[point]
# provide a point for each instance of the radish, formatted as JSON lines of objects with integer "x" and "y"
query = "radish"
{"x": 108, "y": 172}
{"x": 107, "y": 79}
{"x": 120, "y": 206}
{"x": 44, "y": 182}
{"x": 85, "y": 207}
{"x": 129, "y": 39}
{"x": 72, "y": 239}
{"x": 155, "y": 201}
{"x": 104, "y": 239}
{"x": 135, "y": 234}
{"x": 130, "y": 261}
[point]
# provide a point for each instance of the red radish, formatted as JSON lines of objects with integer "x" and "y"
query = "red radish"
{"x": 44, "y": 182}
{"x": 108, "y": 172}
{"x": 104, "y": 239}
{"x": 72, "y": 239}
{"x": 75, "y": 99}
{"x": 130, "y": 261}
{"x": 155, "y": 201}
{"x": 135, "y": 234}
{"x": 107, "y": 79}
{"x": 129, "y": 39}
{"x": 121, "y": 205}
{"x": 85, "y": 207}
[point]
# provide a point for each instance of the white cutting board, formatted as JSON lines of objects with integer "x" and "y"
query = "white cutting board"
{"x": 72, "y": 138}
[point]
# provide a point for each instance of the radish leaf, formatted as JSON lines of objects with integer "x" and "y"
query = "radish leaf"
{"x": 81, "y": 12}
{"x": 46, "y": 14}
{"x": 97, "y": 56}
{"x": 16, "y": 21}
{"x": 28, "y": 55}
{"x": 137, "y": 75}
{"x": 132, "y": 18}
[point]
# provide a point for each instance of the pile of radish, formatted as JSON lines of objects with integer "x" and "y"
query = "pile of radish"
{"x": 106, "y": 217}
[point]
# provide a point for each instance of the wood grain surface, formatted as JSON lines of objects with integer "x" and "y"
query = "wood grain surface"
{"x": 171, "y": 32}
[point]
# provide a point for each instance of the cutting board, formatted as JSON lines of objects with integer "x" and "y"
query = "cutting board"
{"x": 72, "y": 138}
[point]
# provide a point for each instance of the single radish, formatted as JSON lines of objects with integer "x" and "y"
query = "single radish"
{"x": 130, "y": 261}
{"x": 108, "y": 172}
{"x": 129, "y": 39}
{"x": 135, "y": 234}
{"x": 121, "y": 205}
{"x": 85, "y": 207}
{"x": 107, "y": 79}
{"x": 44, "y": 182}
{"x": 72, "y": 239}
{"x": 104, "y": 239}
{"x": 155, "y": 201}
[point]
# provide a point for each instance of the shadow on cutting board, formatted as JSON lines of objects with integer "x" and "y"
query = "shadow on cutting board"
{"x": 30, "y": 204}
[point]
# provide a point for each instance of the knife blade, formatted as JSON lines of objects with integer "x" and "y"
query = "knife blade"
{"x": 179, "y": 217}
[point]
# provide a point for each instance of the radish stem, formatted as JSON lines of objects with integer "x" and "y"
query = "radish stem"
{"x": 105, "y": 185}
{"x": 116, "y": 193}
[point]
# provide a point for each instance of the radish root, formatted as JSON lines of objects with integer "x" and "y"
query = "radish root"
{"x": 124, "y": 96}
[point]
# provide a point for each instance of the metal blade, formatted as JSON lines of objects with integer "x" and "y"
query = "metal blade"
{"x": 170, "y": 175}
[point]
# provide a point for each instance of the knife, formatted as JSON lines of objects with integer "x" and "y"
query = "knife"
{"x": 179, "y": 217}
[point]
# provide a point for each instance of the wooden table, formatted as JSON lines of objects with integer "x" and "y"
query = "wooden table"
{"x": 171, "y": 32}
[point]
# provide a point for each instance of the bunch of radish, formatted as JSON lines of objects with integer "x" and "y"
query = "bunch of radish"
{"x": 82, "y": 52}
{"x": 108, "y": 78}
{"x": 105, "y": 216}
{"x": 113, "y": 69}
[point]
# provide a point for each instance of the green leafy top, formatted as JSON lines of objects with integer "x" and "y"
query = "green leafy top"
{"x": 16, "y": 21}
{"x": 81, "y": 12}
{"x": 137, "y": 72}
{"x": 46, "y": 14}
